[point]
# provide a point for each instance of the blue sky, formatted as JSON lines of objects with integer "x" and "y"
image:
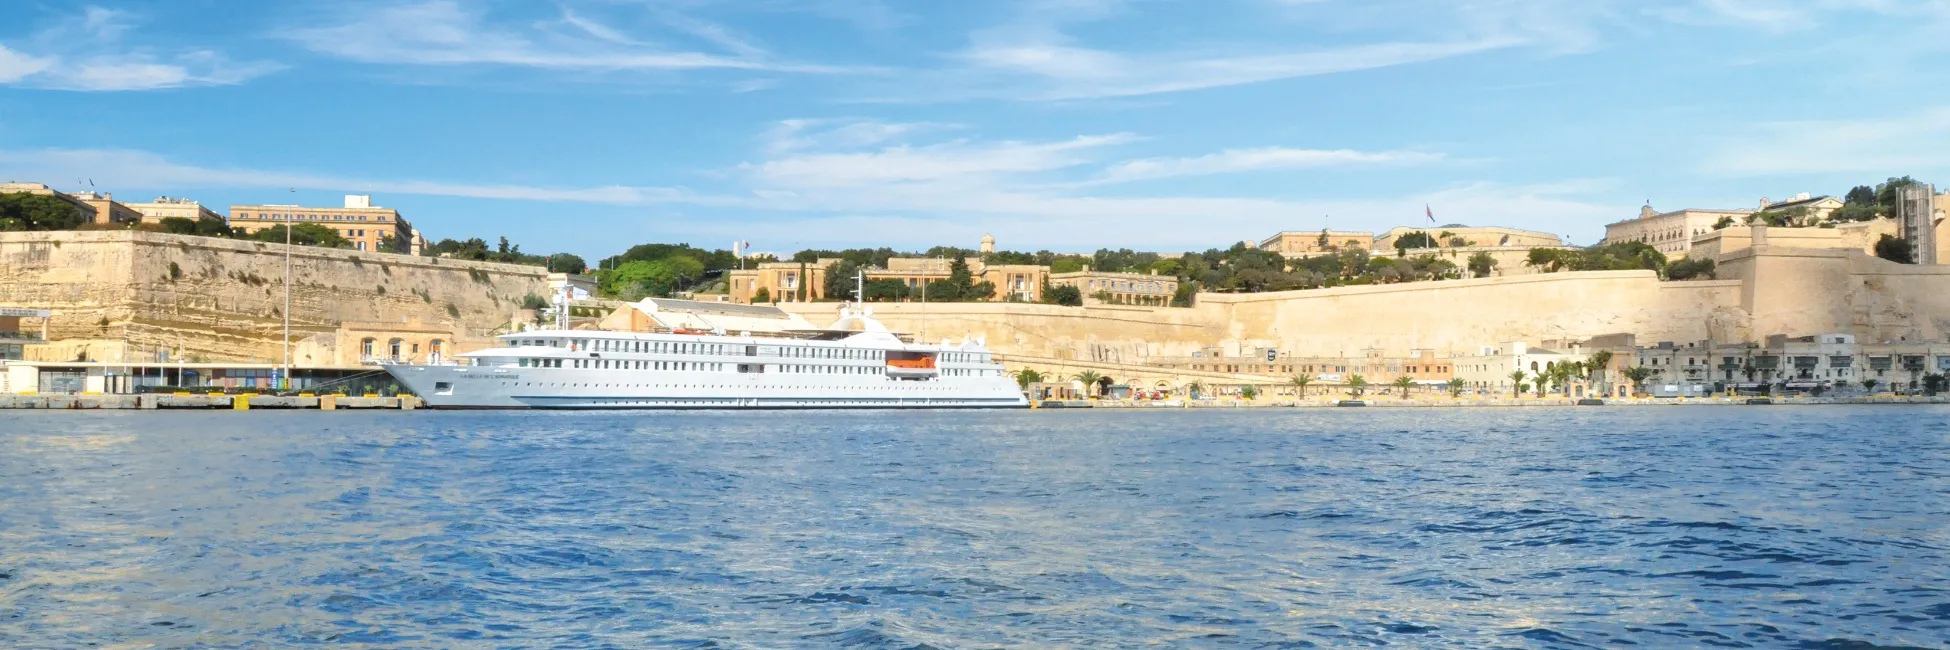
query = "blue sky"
{"x": 590, "y": 125}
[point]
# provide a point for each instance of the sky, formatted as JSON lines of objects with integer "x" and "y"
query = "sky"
{"x": 587, "y": 126}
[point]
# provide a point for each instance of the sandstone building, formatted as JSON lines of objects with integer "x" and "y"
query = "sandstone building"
{"x": 369, "y": 227}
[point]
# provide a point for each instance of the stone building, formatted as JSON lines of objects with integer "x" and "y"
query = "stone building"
{"x": 1101, "y": 287}
{"x": 167, "y": 206}
{"x": 780, "y": 282}
{"x": 1491, "y": 369}
{"x": 107, "y": 210}
{"x": 1295, "y": 243}
{"x": 41, "y": 189}
{"x": 1461, "y": 236}
{"x": 368, "y": 227}
{"x": 1671, "y": 233}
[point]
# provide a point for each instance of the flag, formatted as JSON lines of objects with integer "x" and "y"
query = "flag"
{"x": 1428, "y": 211}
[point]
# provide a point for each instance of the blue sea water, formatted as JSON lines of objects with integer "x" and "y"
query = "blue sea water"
{"x": 1543, "y": 528}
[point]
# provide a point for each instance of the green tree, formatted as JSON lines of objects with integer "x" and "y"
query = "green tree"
{"x": 1357, "y": 385}
{"x": 1063, "y": 294}
{"x": 839, "y": 280}
{"x": 1933, "y": 383}
{"x": 1025, "y": 377}
{"x": 1299, "y": 383}
{"x": 887, "y": 290}
{"x": 1638, "y": 375}
{"x": 1516, "y": 383}
{"x": 1249, "y": 392}
{"x": 636, "y": 279}
{"x": 1895, "y": 249}
{"x": 1690, "y": 269}
{"x": 1869, "y": 385}
{"x": 1416, "y": 239}
{"x": 23, "y": 211}
{"x": 1542, "y": 382}
{"x": 566, "y": 263}
{"x": 1404, "y": 383}
{"x": 1599, "y": 369}
{"x": 303, "y": 234}
{"x": 1089, "y": 379}
{"x": 762, "y": 296}
{"x": 1456, "y": 385}
{"x": 1481, "y": 264}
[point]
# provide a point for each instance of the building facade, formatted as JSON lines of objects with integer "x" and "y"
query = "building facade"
{"x": 1305, "y": 243}
{"x": 368, "y": 227}
{"x": 1460, "y": 236}
{"x": 165, "y": 207}
{"x": 1670, "y": 233}
{"x": 21, "y": 187}
{"x": 1100, "y": 287}
{"x": 772, "y": 282}
{"x": 1918, "y": 215}
{"x": 106, "y": 210}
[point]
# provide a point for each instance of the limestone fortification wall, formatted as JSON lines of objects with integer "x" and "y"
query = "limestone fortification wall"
{"x": 220, "y": 299}
{"x": 1458, "y": 316}
{"x": 1801, "y": 291}
{"x": 1763, "y": 291}
{"x": 1105, "y": 334}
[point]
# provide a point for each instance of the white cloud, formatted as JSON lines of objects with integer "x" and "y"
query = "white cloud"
{"x": 1266, "y": 158}
{"x": 801, "y": 134}
{"x": 443, "y": 32}
{"x": 15, "y": 66}
{"x": 958, "y": 162}
{"x": 88, "y": 52}
{"x": 1895, "y": 145}
{"x": 149, "y": 171}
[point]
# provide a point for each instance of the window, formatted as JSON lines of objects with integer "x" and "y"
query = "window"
{"x": 394, "y": 347}
{"x": 365, "y": 348}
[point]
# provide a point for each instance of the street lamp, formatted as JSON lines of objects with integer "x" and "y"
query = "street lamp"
{"x": 285, "y": 380}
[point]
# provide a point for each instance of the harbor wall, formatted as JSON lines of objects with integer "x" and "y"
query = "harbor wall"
{"x": 134, "y": 293}
{"x": 1762, "y": 291}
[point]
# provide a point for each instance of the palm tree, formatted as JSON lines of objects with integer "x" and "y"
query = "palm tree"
{"x": 1357, "y": 385}
{"x": 1600, "y": 369}
{"x": 1300, "y": 384}
{"x": 1404, "y": 382}
{"x": 1516, "y": 383}
{"x": 1456, "y": 385}
{"x": 1638, "y": 375}
{"x": 1870, "y": 385}
{"x": 1089, "y": 379}
{"x": 1026, "y": 376}
{"x": 1542, "y": 381}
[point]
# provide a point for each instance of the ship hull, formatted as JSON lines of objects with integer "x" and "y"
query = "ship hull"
{"x": 473, "y": 387}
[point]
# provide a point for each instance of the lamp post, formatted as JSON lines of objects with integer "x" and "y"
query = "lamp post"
{"x": 285, "y": 380}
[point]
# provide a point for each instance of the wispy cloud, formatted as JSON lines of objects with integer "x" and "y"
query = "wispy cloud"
{"x": 1266, "y": 158}
{"x": 1893, "y": 145}
{"x": 445, "y": 33}
{"x": 89, "y": 51}
{"x": 149, "y": 171}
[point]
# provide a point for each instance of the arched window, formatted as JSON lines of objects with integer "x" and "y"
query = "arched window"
{"x": 395, "y": 347}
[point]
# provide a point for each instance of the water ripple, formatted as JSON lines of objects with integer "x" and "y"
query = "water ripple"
{"x": 1674, "y": 527}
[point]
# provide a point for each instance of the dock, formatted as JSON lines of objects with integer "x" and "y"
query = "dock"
{"x": 214, "y": 401}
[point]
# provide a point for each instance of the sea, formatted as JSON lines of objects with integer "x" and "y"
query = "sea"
{"x": 1677, "y": 527}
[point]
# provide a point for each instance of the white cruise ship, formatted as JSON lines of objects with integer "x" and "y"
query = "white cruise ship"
{"x": 855, "y": 363}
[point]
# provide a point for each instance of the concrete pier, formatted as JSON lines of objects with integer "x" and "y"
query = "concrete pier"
{"x": 218, "y": 401}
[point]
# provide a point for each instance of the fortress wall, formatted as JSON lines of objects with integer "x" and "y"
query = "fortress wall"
{"x": 1108, "y": 334}
{"x": 1800, "y": 291}
{"x": 224, "y": 299}
{"x": 1459, "y": 316}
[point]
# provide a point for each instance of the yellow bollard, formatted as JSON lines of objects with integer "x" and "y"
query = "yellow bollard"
{"x": 241, "y": 402}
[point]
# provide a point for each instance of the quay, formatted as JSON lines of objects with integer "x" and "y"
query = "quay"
{"x": 1391, "y": 402}
{"x": 244, "y": 402}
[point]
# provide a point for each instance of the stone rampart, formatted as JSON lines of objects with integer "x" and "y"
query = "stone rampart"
{"x": 132, "y": 292}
